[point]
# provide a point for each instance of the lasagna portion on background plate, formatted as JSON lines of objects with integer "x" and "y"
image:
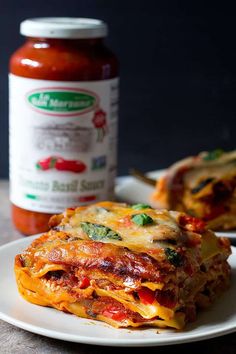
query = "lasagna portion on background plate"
{"x": 125, "y": 265}
{"x": 203, "y": 186}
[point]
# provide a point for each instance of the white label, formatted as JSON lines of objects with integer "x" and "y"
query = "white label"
{"x": 63, "y": 139}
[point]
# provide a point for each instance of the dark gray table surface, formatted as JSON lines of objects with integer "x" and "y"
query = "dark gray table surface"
{"x": 14, "y": 340}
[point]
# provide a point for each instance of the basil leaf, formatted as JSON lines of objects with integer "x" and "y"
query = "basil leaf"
{"x": 142, "y": 219}
{"x": 201, "y": 185}
{"x": 173, "y": 257}
{"x": 213, "y": 155}
{"x": 141, "y": 206}
{"x": 99, "y": 232}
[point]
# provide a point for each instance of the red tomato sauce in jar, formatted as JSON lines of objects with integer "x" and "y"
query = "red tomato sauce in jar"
{"x": 63, "y": 119}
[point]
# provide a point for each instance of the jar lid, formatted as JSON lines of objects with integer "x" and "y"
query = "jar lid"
{"x": 63, "y": 27}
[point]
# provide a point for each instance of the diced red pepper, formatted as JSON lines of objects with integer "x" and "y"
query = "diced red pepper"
{"x": 84, "y": 283}
{"x": 147, "y": 296}
{"x": 191, "y": 223}
{"x": 115, "y": 313}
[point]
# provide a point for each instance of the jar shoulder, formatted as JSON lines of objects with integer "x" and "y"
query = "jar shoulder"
{"x": 59, "y": 63}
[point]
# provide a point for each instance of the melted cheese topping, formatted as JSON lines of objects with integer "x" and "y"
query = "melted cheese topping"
{"x": 118, "y": 218}
{"x": 153, "y": 237}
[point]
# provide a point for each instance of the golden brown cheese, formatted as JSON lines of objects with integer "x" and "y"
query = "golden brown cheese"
{"x": 117, "y": 218}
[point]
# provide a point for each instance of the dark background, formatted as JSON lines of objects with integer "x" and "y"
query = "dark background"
{"x": 178, "y": 77}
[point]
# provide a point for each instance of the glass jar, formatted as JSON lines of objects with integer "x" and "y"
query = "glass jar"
{"x": 63, "y": 89}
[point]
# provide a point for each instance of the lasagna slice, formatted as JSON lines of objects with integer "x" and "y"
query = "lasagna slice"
{"x": 125, "y": 265}
{"x": 203, "y": 186}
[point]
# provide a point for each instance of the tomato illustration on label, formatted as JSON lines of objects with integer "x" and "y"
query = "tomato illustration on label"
{"x": 100, "y": 123}
{"x": 60, "y": 164}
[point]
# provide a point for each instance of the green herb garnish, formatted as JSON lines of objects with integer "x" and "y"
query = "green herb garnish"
{"x": 142, "y": 219}
{"x": 213, "y": 155}
{"x": 173, "y": 257}
{"x": 99, "y": 232}
{"x": 141, "y": 206}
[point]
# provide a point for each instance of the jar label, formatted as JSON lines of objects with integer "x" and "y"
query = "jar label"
{"x": 63, "y": 140}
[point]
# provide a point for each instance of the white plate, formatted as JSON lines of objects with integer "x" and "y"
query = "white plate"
{"x": 220, "y": 319}
{"x": 132, "y": 191}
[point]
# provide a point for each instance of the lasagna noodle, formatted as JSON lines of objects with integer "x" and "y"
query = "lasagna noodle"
{"x": 36, "y": 293}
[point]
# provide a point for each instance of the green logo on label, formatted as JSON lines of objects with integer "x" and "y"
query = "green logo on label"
{"x": 62, "y": 102}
